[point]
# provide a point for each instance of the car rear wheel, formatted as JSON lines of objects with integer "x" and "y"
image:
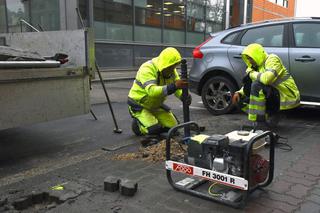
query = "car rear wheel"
{"x": 217, "y": 95}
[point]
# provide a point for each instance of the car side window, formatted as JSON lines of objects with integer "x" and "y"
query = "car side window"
{"x": 307, "y": 35}
{"x": 229, "y": 39}
{"x": 268, "y": 36}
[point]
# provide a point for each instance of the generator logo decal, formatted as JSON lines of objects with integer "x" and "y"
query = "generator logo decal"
{"x": 223, "y": 178}
{"x": 183, "y": 168}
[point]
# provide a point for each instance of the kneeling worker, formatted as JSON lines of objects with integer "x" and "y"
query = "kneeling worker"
{"x": 268, "y": 86}
{"x": 155, "y": 80}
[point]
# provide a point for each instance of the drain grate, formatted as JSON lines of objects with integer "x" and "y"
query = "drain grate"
{"x": 39, "y": 201}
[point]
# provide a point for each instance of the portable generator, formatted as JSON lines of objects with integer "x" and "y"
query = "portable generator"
{"x": 224, "y": 168}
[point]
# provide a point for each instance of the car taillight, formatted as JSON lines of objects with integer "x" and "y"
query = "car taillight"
{"x": 197, "y": 52}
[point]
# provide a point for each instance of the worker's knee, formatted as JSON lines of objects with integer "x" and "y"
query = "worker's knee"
{"x": 256, "y": 86}
{"x": 155, "y": 129}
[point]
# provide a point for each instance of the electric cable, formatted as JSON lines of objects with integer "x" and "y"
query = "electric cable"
{"x": 210, "y": 190}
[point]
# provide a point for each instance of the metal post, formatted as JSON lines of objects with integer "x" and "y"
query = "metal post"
{"x": 227, "y": 14}
{"x": 245, "y": 6}
{"x": 186, "y": 112}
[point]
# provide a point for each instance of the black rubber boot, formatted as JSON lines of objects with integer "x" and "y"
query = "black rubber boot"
{"x": 135, "y": 127}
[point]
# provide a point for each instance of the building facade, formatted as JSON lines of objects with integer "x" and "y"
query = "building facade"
{"x": 128, "y": 32}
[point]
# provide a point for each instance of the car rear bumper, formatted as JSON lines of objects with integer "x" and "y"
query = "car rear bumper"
{"x": 193, "y": 86}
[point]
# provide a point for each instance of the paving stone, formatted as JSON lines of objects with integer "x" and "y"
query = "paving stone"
{"x": 299, "y": 167}
{"x": 280, "y": 186}
{"x": 298, "y": 191}
{"x": 316, "y": 191}
{"x": 309, "y": 207}
{"x": 301, "y": 175}
{"x": 314, "y": 170}
{"x": 277, "y": 205}
{"x": 282, "y": 198}
{"x": 253, "y": 207}
{"x": 314, "y": 198}
{"x": 302, "y": 181}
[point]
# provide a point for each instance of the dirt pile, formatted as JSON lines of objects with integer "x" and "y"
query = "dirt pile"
{"x": 154, "y": 153}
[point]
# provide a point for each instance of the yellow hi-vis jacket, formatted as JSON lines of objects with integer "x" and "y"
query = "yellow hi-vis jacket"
{"x": 150, "y": 88}
{"x": 271, "y": 71}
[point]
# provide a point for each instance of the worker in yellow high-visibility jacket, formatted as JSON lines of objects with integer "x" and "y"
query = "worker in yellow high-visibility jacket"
{"x": 268, "y": 86}
{"x": 155, "y": 80}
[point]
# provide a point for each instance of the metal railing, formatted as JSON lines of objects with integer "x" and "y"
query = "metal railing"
{"x": 22, "y": 21}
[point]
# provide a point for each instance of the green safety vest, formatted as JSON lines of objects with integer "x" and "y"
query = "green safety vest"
{"x": 272, "y": 72}
{"x": 149, "y": 89}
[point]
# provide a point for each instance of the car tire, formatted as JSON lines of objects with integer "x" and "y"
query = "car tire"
{"x": 216, "y": 95}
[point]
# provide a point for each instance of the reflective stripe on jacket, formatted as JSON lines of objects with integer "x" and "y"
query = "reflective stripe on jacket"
{"x": 272, "y": 72}
{"x": 149, "y": 89}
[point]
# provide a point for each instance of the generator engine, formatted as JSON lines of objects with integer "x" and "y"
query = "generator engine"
{"x": 226, "y": 154}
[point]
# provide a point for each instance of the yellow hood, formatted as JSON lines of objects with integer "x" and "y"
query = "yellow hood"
{"x": 167, "y": 57}
{"x": 256, "y": 52}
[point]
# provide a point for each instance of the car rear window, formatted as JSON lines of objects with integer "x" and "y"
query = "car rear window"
{"x": 229, "y": 39}
{"x": 267, "y": 36}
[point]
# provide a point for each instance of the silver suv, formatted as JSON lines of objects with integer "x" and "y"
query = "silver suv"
{"x": 218, "y": 69}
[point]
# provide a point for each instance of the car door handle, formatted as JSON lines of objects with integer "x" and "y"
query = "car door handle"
{"x": 237, "y": 56}
{"x": 305, "y": 58}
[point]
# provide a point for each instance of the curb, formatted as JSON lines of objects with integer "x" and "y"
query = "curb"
{"x": 113, "y": 79}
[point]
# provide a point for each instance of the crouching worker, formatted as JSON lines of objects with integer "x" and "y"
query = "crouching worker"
{"x": 155, "y": 80}
{"x": 268, "y": 87}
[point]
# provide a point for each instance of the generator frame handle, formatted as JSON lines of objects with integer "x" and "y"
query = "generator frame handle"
{"x": 271, "y": 158}
{"x": 190, "y": 191}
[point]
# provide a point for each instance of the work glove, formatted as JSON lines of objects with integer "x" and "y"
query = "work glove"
{"x": 249, "y": 70}
{"x": 181, "y": 84}
{"x": 235, "y": 98}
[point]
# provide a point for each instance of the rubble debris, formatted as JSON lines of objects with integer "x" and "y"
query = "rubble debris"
{"x": 154, "y": 153}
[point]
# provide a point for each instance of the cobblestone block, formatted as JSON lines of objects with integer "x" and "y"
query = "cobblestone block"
{"x": 309, "y": 207}
{"x": 282, "y": 198}
{"x": 302, "y": 181}
{"x": 302, "y": 175}
{"x": 314, "y": 170}
{"x": 280, "y": 186}
{"x": 314, "y": 198}
{"x": 316, "y": 191}
{"x": 277, "y": 205}
{"x": 253, "y": 207}
{"x": 310, "y": 161}
{"x": 299, "y": 167}
{"x": 298, "y": 191}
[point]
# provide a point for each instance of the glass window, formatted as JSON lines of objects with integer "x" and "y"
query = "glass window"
{"x": 113, "y": 19}
{"x": 145, "y": 53}
{"x": 195, "y": 21}
{"x": 45, "y": 14}
{"x": 16, "y": 10}
{"x": 3, "y": 19}
{"x": 270, "y": 36}
{"x": 84, "y": 7}
{"x": 114, "y": 55}
{"x": 214, "y": 16}
{"x": 307, "y": 35}
{"x": 174, "y": 21}
{"x": 230, "y": 38}
{"x": 148, "y": 20}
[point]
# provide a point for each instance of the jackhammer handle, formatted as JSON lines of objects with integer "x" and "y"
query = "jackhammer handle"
{"x": 185, "y": 94}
